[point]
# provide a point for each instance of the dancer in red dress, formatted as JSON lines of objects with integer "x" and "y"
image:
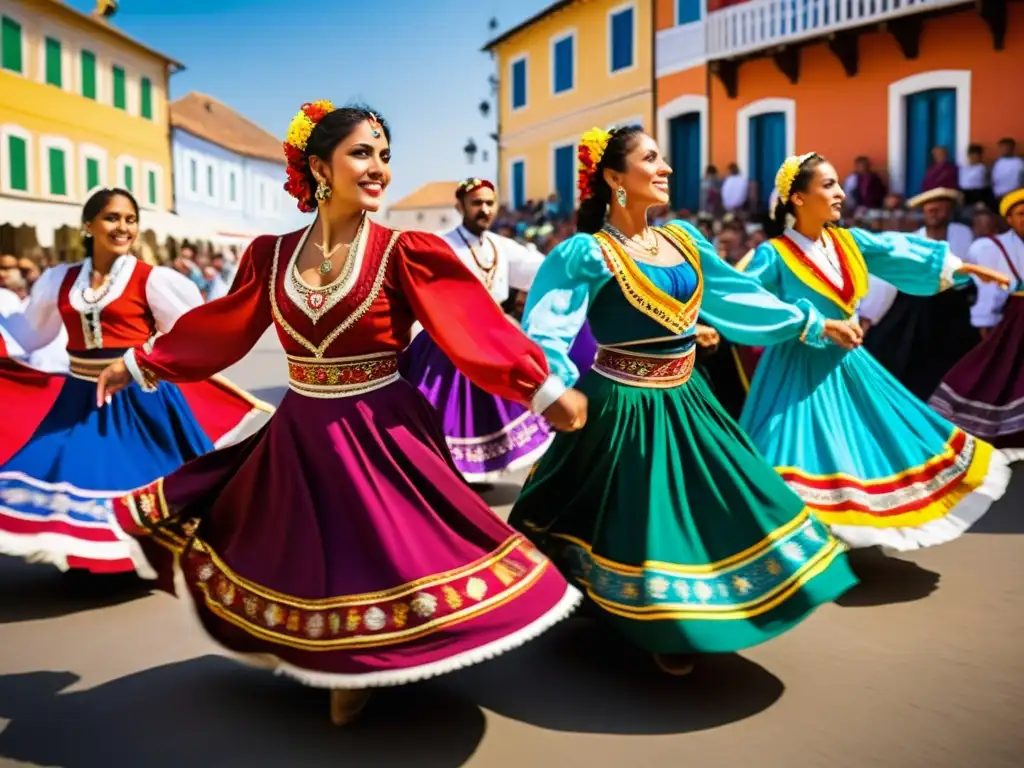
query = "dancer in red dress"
{"x": 339, "y": 546}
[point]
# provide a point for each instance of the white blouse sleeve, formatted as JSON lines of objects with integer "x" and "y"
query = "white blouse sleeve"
{"x": 987, "y": 311}
{"x": 170, "y": 295}
{"x": 39, "y": 322}
{"x": 879, "y": 300}
{"x": 523, "y": 264}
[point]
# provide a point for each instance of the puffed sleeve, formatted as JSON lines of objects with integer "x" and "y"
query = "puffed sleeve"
{"x": 987, "y": 310}
{"x": 523, "y": 265}
{"x": 38, "y": 323}
{"x": 213, "y": 336}
{"x": 913, "y": 264}
{"x": 743, "y": 309}
{"x": 556, "y": 306}
{"x": 170, "y": 295}
{"x": 456, "y": 310}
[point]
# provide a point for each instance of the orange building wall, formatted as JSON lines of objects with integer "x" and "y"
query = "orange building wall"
{"x": 842, "y": 117}
{"x": 689, "y": 82}
{"x": 664, "y": 14}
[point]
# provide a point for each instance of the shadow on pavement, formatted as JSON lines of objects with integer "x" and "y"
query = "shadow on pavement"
{"x": 499, "y": 494}
{"x": 885, "y": 580}
{"x": 31, "y": 592}
{"x": 582, "y": 677}
{"x": 211, "y": 711}
{"x": 272, "y": 395}
{"x": 1007, "y": 514}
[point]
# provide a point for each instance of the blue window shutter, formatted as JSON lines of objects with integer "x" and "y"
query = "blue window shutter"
{"x": 684, "y": 145}
{"x": 918, "y": 139}
{"x": 519, "y": 84}
{"x": 945, "y": 120}
{"x": 687, "y": 11}
{"x": 622, "y": 40}
{"x": 518, "y": 184}
{"x": 563, "y": 65}
{"x": 767, "y": 151}
{"x": 565, "y": 178}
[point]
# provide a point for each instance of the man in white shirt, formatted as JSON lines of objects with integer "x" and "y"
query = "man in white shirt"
{"x": 502, "y": 264}
{"x": 1008, "y": 170}
{"x": 919, "y": 338}
{"x": 974, "y": 179}
{"x": 735, "y": 189}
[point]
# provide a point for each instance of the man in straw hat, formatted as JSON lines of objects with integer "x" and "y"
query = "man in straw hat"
{"x": 919, "y": 338}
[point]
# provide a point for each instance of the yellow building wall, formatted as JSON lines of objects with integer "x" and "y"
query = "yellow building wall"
{"x": 28, "y": 104}
{"x": 598, "y": 98}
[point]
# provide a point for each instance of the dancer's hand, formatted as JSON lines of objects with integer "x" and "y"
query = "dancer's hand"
{"x": 568, "y": 413}
{"x": 985, "y": 275}
{"x": 114, "y": 378}
{"x": 843, "y": 333}
{"x": 708, "y": 337}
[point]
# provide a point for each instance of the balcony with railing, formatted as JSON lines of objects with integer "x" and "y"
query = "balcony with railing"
{"x": 757, "y": 24}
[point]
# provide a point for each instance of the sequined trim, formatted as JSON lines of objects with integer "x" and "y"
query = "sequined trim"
{"x": 909, "y": 498}
{"x": 747, "y": 584}
{"x": 343, "y": 376}
{"x": 348, "y": 322}
{"x": 317, "y": 302}
{"x": 649, "y": 371}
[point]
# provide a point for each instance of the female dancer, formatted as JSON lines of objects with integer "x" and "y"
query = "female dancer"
{"x": 339, "y": 546}
{"x": 488, "y": 436}
{"x": 984, "y": 392}
{"x": 660, "y": 507}
{"x": 866, "y": 456}
{"x": 61, "y": 458}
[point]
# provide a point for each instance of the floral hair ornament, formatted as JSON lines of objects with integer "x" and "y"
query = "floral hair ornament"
{"x": 471, "y": 185}
{"x": 295, "y": 143}
{"x": 788, "y": 172}
{"x": 593, "y": 143}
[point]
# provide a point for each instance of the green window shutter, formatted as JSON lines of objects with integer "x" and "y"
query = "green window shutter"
{"x": 10, "y": 43}
{"x": 129, "y": 182}
{"x": 209, "y": 182}
{"x": 54, "y": 70}
{"x": 151, "y": 178}
{"x": 120, "y": 98}
{"x": 146, "y": 106}
{"x": 234, "y": 190}
{"x": 17, "y": 154}
{"x": 92, "y": 173}
{"x": 58, "y": 172}
{"x": 89, "y": 74}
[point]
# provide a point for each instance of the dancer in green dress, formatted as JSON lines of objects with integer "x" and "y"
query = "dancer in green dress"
{"x": 660, "y": 507}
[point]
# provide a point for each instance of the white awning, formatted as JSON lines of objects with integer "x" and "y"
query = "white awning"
{"x": 47, "y": 217}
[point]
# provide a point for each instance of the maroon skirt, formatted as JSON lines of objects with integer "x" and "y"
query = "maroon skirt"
{"x": 339, "y": 546}
{"x": 984, "y": 393}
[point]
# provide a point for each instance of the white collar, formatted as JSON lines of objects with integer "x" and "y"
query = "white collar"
{"x": 469, "y": 237}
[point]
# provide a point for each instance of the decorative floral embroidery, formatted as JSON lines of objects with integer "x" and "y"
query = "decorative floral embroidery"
{"x": 341, "y": 373}
{"x": 363, "y": 619}
{"x": 479, "y": 450}
{"x": 645, "y": 370}
{"x": 737, "y": 588}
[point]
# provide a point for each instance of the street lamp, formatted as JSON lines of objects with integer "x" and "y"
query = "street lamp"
{"x": 470, "y": 150}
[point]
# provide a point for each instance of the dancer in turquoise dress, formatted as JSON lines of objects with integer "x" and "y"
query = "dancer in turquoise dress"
{"x": 865, "y": 455}
{"x": 660, "y": 508}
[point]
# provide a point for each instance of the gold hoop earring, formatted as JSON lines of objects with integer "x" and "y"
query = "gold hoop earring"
{"x": 620, "y": 196}
{"x": 323, "y": 192}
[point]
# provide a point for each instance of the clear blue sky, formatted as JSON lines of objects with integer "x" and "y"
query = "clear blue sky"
{"x": 416, "y": 61}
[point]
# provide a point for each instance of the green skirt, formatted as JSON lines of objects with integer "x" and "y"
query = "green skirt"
{"x": 665, "y": 514}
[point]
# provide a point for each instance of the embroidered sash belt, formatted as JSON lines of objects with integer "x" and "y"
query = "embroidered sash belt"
{"x": 89, "y": 368}
{"x": 341, "y": 376}
{"x": 646, "y": 370}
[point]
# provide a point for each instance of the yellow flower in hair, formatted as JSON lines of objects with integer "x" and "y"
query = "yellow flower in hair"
{"x": 593, "y": 143}
{"x": 304, "y": 121}
{"x": 787, "y": 174}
